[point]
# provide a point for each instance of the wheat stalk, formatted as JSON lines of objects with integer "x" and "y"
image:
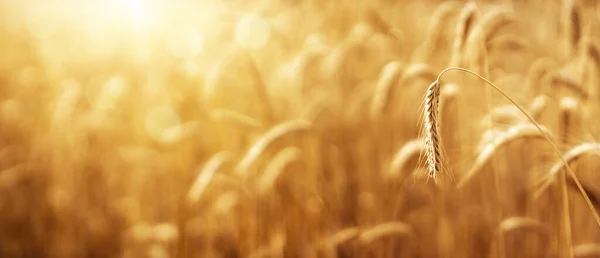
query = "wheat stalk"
{"x": 336, "y": 244}
{"x": 484, "y": 31}
{"x": 276, "y": 167}
{"x": 571, "y": 22}
{"x": 275, "y": 249}
{"x": 570, "y": 156}
{"x": 568, "y": 83}
{"x": 593, "y": 51}
{"x": 420, "y": 70}
{"x": 433, "y": 38}
{"x": 435, "y": 160}
{"x": 384, "y": 90}
{"x": 409, "y": 151}
{"x": 537, "y": 71}
{"x": 385, "y": 230}
{"x": 237, "y": 119}
{"x": 591, "y": 250}
{"x": 217, "y": 74}
{"x": 567, "y": 121}
{"x": 466, "y": 20}
{"x": 268, "y": 139}
{"x": 502, "y": 115}
{"x": 508, "y": 43}
{"x": 524, "y": 131}
{"x": 206, "y": 175}
{"x": 537, "y": 107}
{"x": 516, "y": 224}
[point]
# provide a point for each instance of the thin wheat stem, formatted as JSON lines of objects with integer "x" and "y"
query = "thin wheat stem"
{"x": 546, "y": 135}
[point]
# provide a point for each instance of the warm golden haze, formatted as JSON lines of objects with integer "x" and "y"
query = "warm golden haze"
{"x": 299, "y": 128}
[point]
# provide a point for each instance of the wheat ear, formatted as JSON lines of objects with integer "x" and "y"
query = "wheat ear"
{"x": 430, "y": 154}
{"x": 510, "y": 115}
{"x": 537, "y": 106}
{"x": 591, "y": 59}
{"x": 502, "y": 115}
{"x": 572, "y": 27}
{"x": 343, "y": 239}
{"x": 593, "y": 51}
{"x": 206, "y": 175}
{"x": 433, "y": 144}
{"x": 420, "y": 70}
{"x": 385, "y": 87}
{"x": 570, "y": 156}
{"x": 524, "y": 131}
{"x": 409, "y": 151}
{"x": 538, "y": 69}
{"x": 513, "y": 224}
{"x": 563, "y": 81}
{"x": 385, "y": 230}
{"x": 383, "y": 240}
{"x": 336, "y": 63}
{"x": 274, "y": 249}
{"x": 237, "y": 119}
{"x": 484, "y": 31}
{"x": 276, "y": 167}
{"x": 466, "y": 19}
{"x": 434, "y": 32}
{"x": 508, "y": 43}
{"x": 215, "y": 77}
{"x": 268, "y": 139}
{"x": 591, "y": 250}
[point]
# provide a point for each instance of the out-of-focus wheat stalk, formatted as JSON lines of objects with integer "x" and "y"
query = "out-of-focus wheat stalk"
{"x": 516, "y": 132}
{"x": 269, "y": 139}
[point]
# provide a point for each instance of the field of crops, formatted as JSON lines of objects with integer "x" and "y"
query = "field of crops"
{"x": 300, "y": 128}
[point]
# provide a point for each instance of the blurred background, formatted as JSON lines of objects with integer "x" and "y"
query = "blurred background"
{"x": 290, "y": 128}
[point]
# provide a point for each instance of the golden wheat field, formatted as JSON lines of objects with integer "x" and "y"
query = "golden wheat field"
{"x": 300, "y": 128}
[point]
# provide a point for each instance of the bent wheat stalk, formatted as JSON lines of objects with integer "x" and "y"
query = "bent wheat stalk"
{"x": 466, "y": 20}
{"x": 432, "y": 137}
{"x": 591, "y": 250}
{"x": 514, "y": 224}
{"x": 524, "y": 131}
{"x": 216, "y": 76}
{"x": 420, "y": 70}
{"x": 437, "y": 22}
{"x": 537, "y": 106}
{"x": 538, "y": 69}
{"x": 409, "y": 151}
{"x": 268, "y": 139}
{"x": 508, "y": 43}
{"x": 338, "y": 241}
{"x": 235, "y": 118}
{"x": 572, "y": 26}
{"x": 569, "y": 84}
{"x": 485, "y": 30}
{"x": 503, "y": 115}
{"x": 276, "y": 167}
{"x": 375, "y": 240}
{"x": 570, "y": 156}
{"x": 385, "y": 87}
{"x": 274, "y": 249}
{"x": 390, "y": 229}
{"x": 206, "y": 175}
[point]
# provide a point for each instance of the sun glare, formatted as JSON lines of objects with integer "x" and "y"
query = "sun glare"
{"x": 140, "y": 12}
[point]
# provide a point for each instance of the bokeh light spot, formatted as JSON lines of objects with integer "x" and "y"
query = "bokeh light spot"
{"x": 252, "y": 32}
